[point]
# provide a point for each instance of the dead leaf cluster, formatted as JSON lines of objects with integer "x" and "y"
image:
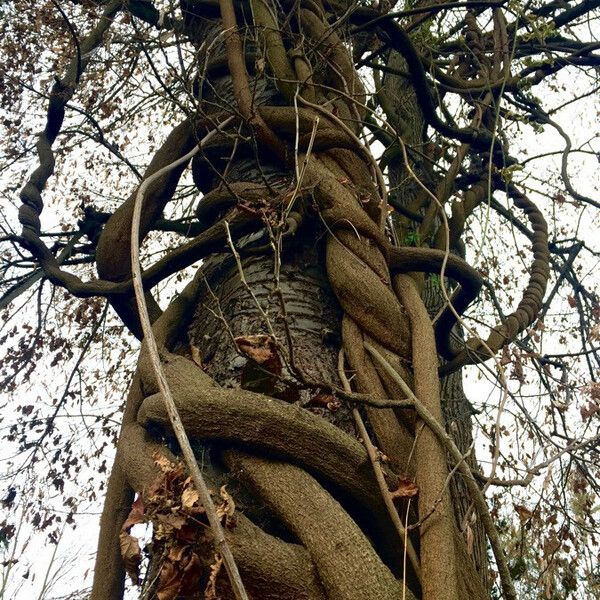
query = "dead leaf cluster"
{"x": 172, "y": 507}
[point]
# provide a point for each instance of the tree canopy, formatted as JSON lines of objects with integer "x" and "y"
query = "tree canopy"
{"x": 426, "y": 172}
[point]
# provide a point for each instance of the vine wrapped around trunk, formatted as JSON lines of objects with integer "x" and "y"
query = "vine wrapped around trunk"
{"x": 299, "y": 107}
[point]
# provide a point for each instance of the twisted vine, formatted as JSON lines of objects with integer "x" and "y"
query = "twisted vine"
{"x": 345, "y": 184}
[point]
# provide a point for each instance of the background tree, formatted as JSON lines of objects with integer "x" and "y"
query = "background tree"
{"x": 360, "y": 176}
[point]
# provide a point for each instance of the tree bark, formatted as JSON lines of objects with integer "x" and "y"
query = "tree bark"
{"x": 266, "y": 334}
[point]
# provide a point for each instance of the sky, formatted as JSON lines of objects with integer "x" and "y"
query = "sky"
{"x": 50, "y": 571}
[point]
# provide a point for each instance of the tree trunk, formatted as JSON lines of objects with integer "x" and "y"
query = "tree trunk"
{"x": 275, "y": 315}
{"x": 401, "y": 106}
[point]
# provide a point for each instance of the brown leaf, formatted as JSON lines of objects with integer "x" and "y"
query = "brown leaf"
{"x": 168, "y": 581}
{"x": 177, "y": 553}
{"x": 406, "y": 489}
{"x": 551, "y": 545}
{"x": 505, "y": 360}
{"x": 196, "y": 355}
{"x": 189, "y": 497}
{"x": 226, "y": 509}
{"x": 323, "y": 400}
{"x": 524, "y": 513}
{"x": 190, "y": 577}
{"x": 588, "y": 410}
{"x": 262, "y": 350}
{"x": 547, "y": 479}
{"x": 162, "y": 462}
{"x": 210, "y": 593}
{"x": 171, "y": 521}
{"x": 136, "y": 514}
{"x": 189, "y": 534}
{"x": 132, "y": 556}
{"x": 470, "y": 540}
{"x": 179, "y": 574}
{"x": 517, "y": 372}
{"x": 166, "y": 484}
{"x": 593, "y": 390}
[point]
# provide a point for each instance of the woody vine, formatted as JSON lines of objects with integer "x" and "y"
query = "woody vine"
{"x": 330, "y": 415}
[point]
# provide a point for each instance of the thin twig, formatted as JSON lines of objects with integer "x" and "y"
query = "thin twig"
{"x": 153, "y": 351}
{"x": 240, "y": 268}
{"x": 385, "y": 493}
{"x": 476, "y": 494}
{"x": 446, "y": 485}
{"x": 459, "y": 319}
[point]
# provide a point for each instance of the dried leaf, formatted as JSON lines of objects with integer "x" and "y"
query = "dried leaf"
{"x": 547, "y": 479}
{"x": 517, "y": 372}
{"x": 196, "y": 355}
{"x": 210, "y": 593}
{"x": 190, "y": 577}
{"x": 593, "y": 390}
{"x": 406, "y": 489}
{"x": 505, "y": 360}
{"x": 551, "y": 545}
{"x": 168, "y": 581}
{"x": 588, "y": 410}
{"x": 189, "y": 497}
{"x": 262, "y": 350}
{"x": 132, "y": 555}
{"x": 136, "y": 514}
{"x": 171, "y": 521}
{"x": 560, "y": 198}
{"x": 189, "y": 534}
{"x": 323, "y": 400}
{"x": 470, "y": 540}
{"x": 177, "y": 553}
{"x": 226, "y": 509}
{"x": 524, "y": 513}
{"x": 179, "y": 574}
{"x": 162, "y": 462}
